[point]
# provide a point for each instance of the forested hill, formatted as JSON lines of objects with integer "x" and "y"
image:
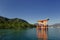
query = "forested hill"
{"x": 14, "y": 23}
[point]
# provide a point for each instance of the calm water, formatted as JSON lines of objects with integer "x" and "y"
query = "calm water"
{"x": 30, "y": 34}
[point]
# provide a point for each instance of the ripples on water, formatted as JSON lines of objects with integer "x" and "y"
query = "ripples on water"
{"x": 30, "y": 34}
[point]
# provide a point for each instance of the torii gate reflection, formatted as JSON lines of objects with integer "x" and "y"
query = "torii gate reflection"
{"x": 42, "y": 35}
{"x": 42, "y": 29}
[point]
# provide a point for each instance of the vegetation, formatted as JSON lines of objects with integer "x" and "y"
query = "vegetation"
{"x": 15, "y": 23}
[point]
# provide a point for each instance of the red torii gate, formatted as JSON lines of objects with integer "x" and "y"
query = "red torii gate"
{"x": 41, "y": 29}
{"x": 42, "y": 24}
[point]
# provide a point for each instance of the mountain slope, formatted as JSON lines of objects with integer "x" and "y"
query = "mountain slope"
{"x": 15, "y": 23}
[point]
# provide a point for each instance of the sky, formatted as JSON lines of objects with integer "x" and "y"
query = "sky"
{"x": 31, "y": 10}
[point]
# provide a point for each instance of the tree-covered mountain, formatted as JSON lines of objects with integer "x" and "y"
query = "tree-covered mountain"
{"x": 14, "y": 23}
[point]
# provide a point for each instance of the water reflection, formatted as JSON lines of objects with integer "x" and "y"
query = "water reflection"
{"x": 30, "y": 34}
{"x": 42, "y": 34}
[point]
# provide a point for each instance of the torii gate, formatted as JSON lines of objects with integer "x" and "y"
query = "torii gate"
{"x": 41, "y": 29}
{"x": 42, "y": 24}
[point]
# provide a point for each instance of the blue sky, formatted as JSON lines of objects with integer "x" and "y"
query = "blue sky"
{"x": 31, "y": 10}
